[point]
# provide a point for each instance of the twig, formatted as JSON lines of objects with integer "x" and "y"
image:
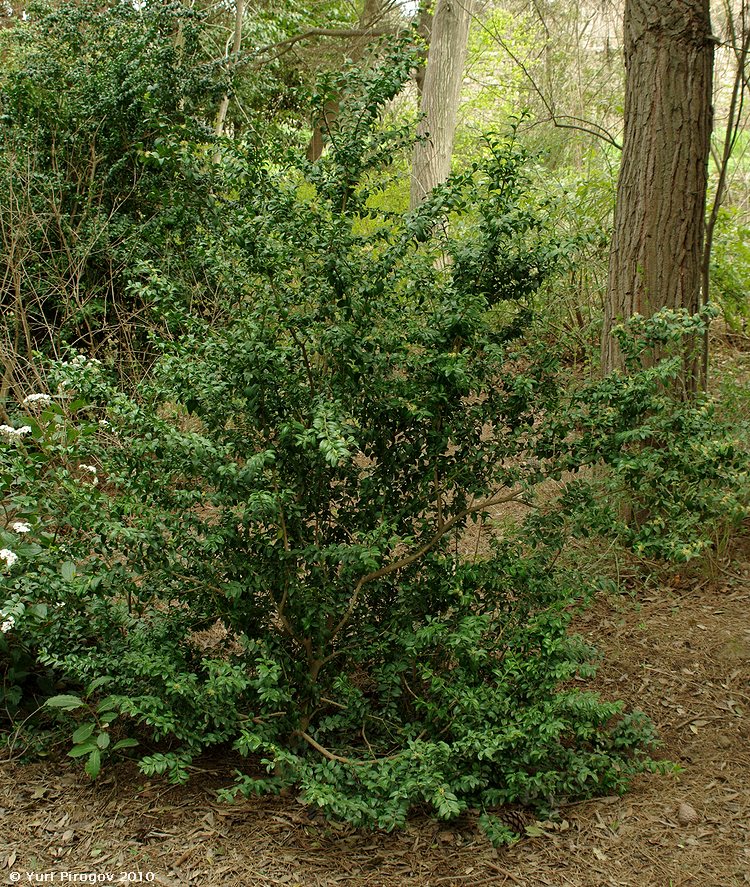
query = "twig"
{"x": 222, "y": 115}
{"x": 367, "y": 741}
{"x": 730, "y": 138}
{"x": 505, "y": 872}
{"x": 409, "y": 559}
{"x": 325, "y": 32}
{"x": 308, "y": 369}
{"x": 580, "y": 124}
{"x": 438, "y": 499}
{"x": 492, "y": 879}
{"x": 690, "y": 721}
{"x": 319, "y": 748}
{"x": 332, "y": 756}
{"x": 334, "y": 703}
{"x": 261, "y": 719}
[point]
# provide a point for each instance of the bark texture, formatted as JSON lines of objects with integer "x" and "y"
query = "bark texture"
{"x": 655, "y": 258}
{"x": 424, "y": 29}
{"x": 441, "y": 91}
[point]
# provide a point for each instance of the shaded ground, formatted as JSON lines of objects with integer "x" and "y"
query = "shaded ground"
{"x": 680, "y": 651}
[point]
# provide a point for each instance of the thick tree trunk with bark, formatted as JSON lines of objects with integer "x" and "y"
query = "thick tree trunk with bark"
{"x": 655, "y": 258}
{"x": 441, "y": 91}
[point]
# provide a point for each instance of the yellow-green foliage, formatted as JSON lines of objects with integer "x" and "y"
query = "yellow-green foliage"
{"x": 495, "y": 87}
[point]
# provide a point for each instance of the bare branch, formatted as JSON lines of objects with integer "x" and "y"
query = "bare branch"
{"x": 578, "y": 123}
{"x": 334, "y": 757}
{"x": 734, "y": 121}
{"x": 341, "y": 33}
{"x": 222, "y": 115}
{"x": 324, "y": 751}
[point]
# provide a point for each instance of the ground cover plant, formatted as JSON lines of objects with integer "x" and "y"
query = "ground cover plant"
{"x": 299, "y": 477}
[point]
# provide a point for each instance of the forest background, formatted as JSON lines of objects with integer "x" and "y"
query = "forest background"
{"x": 258, "y": 388}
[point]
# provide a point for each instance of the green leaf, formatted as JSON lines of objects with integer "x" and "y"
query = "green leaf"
{"x": 78, "y": 751}
{"x": 125, "y": 743}
{"x": 83, "y": 733}
{"x": 94, "y": 764}
{"x": 64, "y": 702}
{"x": 108, "y": 704}
{"x": 68, "y": 571}
{"x": 102, "y": 740}
{"x": 98, "y": 682}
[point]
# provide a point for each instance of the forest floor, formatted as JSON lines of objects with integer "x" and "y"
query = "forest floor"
{"x": 679, "y": 648}
{"x": 674, "y": 645}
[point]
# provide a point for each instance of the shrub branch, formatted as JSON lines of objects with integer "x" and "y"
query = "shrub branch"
{"x": 444, "y": 527}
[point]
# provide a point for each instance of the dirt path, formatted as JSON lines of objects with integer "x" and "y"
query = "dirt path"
{"x": 681, "y": 652}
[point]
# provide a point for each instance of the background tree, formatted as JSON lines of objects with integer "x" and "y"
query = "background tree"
{"x": 656, "y": 251}
{"x": 732, "y": 77}
{"x": 441, "y": 92}
{"x": 239, "y": 11}
{"x": 371, "y": 21}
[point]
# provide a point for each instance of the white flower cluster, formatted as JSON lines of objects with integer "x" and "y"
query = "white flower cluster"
{"x": 79, "y": 360}
{"x": 7, "y": 624}
{"x": 37, "y": 401}
{"x": 93, "y": 471}
{"x": 10, "y": 557}
{"x": 20, "y": 526}
{"x": 14, "y": 434}
{"x": 68, "y": 375}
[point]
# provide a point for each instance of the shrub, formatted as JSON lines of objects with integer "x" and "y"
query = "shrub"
{"x": 676, "y": 474}
{"x": 730, "y": 268}
{"x": 101, "y": 157}
{"x": 300, "y": 480}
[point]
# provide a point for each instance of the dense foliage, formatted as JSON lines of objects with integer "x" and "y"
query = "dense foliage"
{"x": 98, "y": 106}
{"x": 286, "y": 536}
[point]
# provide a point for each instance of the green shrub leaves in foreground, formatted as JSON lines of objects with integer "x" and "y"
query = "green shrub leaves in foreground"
{"x": 271, "y": 547}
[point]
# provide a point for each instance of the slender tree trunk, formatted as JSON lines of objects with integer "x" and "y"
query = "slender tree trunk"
{"x": 372, "y": 12}
{"x": 741, "y": 45}
{"x": 236, "y": 44}
{"x": 441, "y": 91}
{"x": 424, "y": 29}
{"x": 655, "y": 258}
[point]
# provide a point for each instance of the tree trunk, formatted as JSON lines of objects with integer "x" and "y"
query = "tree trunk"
{"x": 739, "y": 37}
{"x": 655, "y": 257}
{"x": 239, "y": 11}
{"x": 441, "y": 91}
{"x": 424, "y": 29}
{"x": 372, "y": 13}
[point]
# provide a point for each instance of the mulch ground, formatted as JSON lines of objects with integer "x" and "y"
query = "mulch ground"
{"x": 678, "y": 649}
